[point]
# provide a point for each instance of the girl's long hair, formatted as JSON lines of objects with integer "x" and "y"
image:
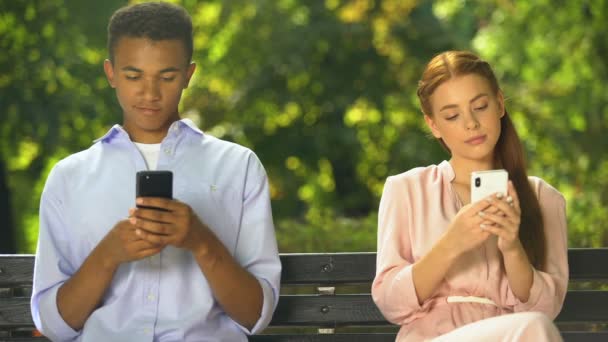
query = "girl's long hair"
{"x": 508, "y": 153}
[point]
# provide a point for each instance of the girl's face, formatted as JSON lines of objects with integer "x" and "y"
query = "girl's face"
{"x": 466, "y": 114}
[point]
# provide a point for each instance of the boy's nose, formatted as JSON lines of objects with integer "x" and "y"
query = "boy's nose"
{"x": 151, "y": 90}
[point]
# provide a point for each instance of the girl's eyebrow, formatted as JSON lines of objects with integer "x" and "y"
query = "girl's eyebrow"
{"x": 456, "y": 106}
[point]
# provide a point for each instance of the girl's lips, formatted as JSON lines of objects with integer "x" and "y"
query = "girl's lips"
{"x": 476, "y": 140}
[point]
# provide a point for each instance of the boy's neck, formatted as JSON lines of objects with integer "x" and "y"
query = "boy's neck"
{"x": 142, "y": 136}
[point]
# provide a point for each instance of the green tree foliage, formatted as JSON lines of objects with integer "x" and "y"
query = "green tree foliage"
{"x": 54, "y": 96}
{"x": 552, "y": 59}
{"x": 324, "y": 93}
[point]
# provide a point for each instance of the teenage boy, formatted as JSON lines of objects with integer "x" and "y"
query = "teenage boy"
{"x": 206, "y": 268}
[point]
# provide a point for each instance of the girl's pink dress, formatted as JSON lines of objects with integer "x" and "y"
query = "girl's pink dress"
{"x": 416, "y": 209}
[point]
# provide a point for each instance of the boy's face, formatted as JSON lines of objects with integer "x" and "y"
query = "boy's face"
{"x": 149, "y": 77}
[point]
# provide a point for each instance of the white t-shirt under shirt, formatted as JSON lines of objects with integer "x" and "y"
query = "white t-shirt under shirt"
{"x": 150, "y": 153}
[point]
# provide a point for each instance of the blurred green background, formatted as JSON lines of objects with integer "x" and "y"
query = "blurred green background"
{"x": 324, "y": 92}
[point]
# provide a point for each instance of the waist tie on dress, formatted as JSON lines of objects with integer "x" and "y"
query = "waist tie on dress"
{"x": 470, "y": 299}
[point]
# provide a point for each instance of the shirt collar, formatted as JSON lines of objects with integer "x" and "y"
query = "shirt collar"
{"x": 117, "y": 130}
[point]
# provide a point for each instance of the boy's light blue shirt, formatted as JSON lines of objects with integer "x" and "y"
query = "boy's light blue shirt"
{"x": 164, "y": 297}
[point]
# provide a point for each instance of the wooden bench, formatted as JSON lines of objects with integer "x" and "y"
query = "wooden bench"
{"x": 325, "y": 297}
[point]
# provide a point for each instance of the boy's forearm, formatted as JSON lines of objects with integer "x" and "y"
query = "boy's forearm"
{"x": 78, "y": 297}
{"x": 237, "y": 291}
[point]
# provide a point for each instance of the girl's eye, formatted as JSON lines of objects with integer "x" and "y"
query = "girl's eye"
{"x": 482, "y": 107}
{"x": 451, "y": 118}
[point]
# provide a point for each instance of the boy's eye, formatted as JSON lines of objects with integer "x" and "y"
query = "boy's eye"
{"x": 131, "y": 77}
{"x": 168, "y": 78}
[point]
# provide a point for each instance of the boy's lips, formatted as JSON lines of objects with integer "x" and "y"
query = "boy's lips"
{"x": 476, "y": 140}
{"x": 147, "y": 110}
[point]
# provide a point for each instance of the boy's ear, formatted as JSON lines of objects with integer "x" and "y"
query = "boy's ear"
{"x": 189, "y": 73}
{"x": 429, "y": 122}
{"x": 108, "y": 68}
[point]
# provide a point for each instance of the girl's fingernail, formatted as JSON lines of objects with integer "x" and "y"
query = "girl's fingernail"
{"x": 481, "y": 213}
{"x": 482, "y": 226}
{"x": 499, "y": 195}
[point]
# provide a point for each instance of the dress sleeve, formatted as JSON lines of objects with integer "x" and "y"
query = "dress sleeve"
{"x": 549, "y": 287}
{"x": 393, "y": 287}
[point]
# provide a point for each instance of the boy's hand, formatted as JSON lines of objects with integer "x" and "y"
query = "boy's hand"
{"x": 178, "y": 225}
{"x": 122, "y": 244}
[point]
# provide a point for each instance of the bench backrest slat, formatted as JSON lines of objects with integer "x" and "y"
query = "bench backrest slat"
{"x": 16, "y": 270}
{"x": 343, "y": 310}
{"x": 343, "y": 268}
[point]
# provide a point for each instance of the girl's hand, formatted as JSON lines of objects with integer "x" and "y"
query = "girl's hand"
{"x": 505, "y": 222}
{"x": 465, "y": 232}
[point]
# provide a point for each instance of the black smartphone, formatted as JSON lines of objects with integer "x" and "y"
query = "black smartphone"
{"x": 154, "y": 184}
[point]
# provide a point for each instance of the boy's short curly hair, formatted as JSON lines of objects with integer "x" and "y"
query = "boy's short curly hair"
{"x": 152, "y": 20}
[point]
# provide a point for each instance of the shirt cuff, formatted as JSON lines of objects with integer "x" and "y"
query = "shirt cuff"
{"x": 270, "y": 300}
{"x": 53, "y": 325}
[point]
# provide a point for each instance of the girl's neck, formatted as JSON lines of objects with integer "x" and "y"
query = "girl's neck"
{"x": 464, "y": 167}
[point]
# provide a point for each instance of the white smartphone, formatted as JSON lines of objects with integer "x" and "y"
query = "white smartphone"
{"x": 486, "y": 183}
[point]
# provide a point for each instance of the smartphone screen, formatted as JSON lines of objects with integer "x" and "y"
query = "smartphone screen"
{"x": 486, "y": 183}
{"x": 154, "y": 184}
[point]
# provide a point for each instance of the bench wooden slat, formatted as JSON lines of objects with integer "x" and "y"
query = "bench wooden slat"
{"x": 585, "y": 336}
{"x": 343, "y": 310}
{"x": 328, "y": 311}
{"x": 15, "y": 312}
{"x": 579, "y": 306}
{"x": 578, "y": 336}
{"x": 16, "y": 269}
{"x": 588, "y": 263}
{"x": 342, "y": 268}
{"x": 585, "y": 306}
{"x": 362, "y": 337}
{"x": 328, "y": 268}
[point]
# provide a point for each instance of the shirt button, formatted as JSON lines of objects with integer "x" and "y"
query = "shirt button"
{"x": 151, "y": 297}
{"x": 147, "y": 331}
{"x": 168, "y": 151}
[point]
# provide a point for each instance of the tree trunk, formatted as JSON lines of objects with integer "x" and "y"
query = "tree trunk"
{"x": 7, "y": 230}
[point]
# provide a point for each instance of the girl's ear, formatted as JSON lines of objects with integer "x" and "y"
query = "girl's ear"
{"x": 431, "y": 123}
{"x": 501, "y": 103}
